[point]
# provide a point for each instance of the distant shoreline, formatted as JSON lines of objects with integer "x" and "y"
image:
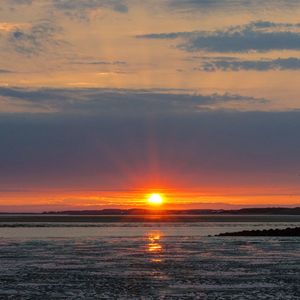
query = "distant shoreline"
{"x": 243, "y": 211}
{"x": 275, "y": 214}
{"x": 192, "y": 212}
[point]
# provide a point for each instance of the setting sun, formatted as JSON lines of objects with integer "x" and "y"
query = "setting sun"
{"x": 155, "y": 199}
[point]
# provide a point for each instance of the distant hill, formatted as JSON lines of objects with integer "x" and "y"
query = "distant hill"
{"x": 126, "y": 212}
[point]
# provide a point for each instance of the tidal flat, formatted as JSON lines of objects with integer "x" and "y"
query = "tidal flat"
{"x": 147, "y": 261}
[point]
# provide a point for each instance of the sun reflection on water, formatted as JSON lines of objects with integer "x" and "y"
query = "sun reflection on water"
{"x": 154, "y": 246}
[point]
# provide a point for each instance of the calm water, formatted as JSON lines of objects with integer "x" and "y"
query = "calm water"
{"x": 147, "y": 260}
{"x": 132, "y": 226}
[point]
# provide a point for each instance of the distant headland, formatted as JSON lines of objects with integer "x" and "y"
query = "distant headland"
{"x": 287, "y": 232}
{"x": 134, "y": 211}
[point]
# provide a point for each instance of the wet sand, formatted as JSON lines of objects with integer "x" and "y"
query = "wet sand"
{"x": 150, "y": 267}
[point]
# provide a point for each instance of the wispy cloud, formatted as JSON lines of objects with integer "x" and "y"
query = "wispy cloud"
{"x": 81, "y": 9}
{"x": 5, "y": 71}
{"x": 35, "y": 39}
{"x": 231, "y": 5}
{"x": 129, "y": 102}
{"x": 212, "y": 64}
{"x": 20, "y": 2}
{"x": 100, "y": 62}
{"x": 257, "y": 36}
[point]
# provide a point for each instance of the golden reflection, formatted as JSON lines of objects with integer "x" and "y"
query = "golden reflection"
{"x": 154, "y": 245}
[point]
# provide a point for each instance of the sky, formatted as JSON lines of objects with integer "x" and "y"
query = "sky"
{"x": 103, "y": 102}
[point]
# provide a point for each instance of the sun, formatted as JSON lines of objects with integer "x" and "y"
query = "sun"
{"x": 155, "y": 199}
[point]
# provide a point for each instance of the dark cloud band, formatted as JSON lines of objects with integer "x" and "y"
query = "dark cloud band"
{"x": 256, "y": 36}
{"x": 124, "y": 102}
{"x": 235, "y": 64}
{"x": 211, "y": 147}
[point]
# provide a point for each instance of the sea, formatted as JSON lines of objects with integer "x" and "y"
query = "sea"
{"x": 142, "y": 257}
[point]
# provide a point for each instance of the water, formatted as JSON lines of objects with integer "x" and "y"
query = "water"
{"x": 16, "y": 226}
{"x": 147, "y": 260}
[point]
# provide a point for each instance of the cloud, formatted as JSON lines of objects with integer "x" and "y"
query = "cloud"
{"x": 204, "y": 149}
{"x": 231, "y": 6}
{"x": 213, "y": 64}
{"x": 100, "y": 62}
{"x": 166, "y": 36}
{"x": 81, "y": 8}
{"x": 5, "y": 71}
{"x": 260, "y": 36}
{"x": 129, "y": 102}
{"x": 35, "y": 39}
{"x": 20, "y": 2}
